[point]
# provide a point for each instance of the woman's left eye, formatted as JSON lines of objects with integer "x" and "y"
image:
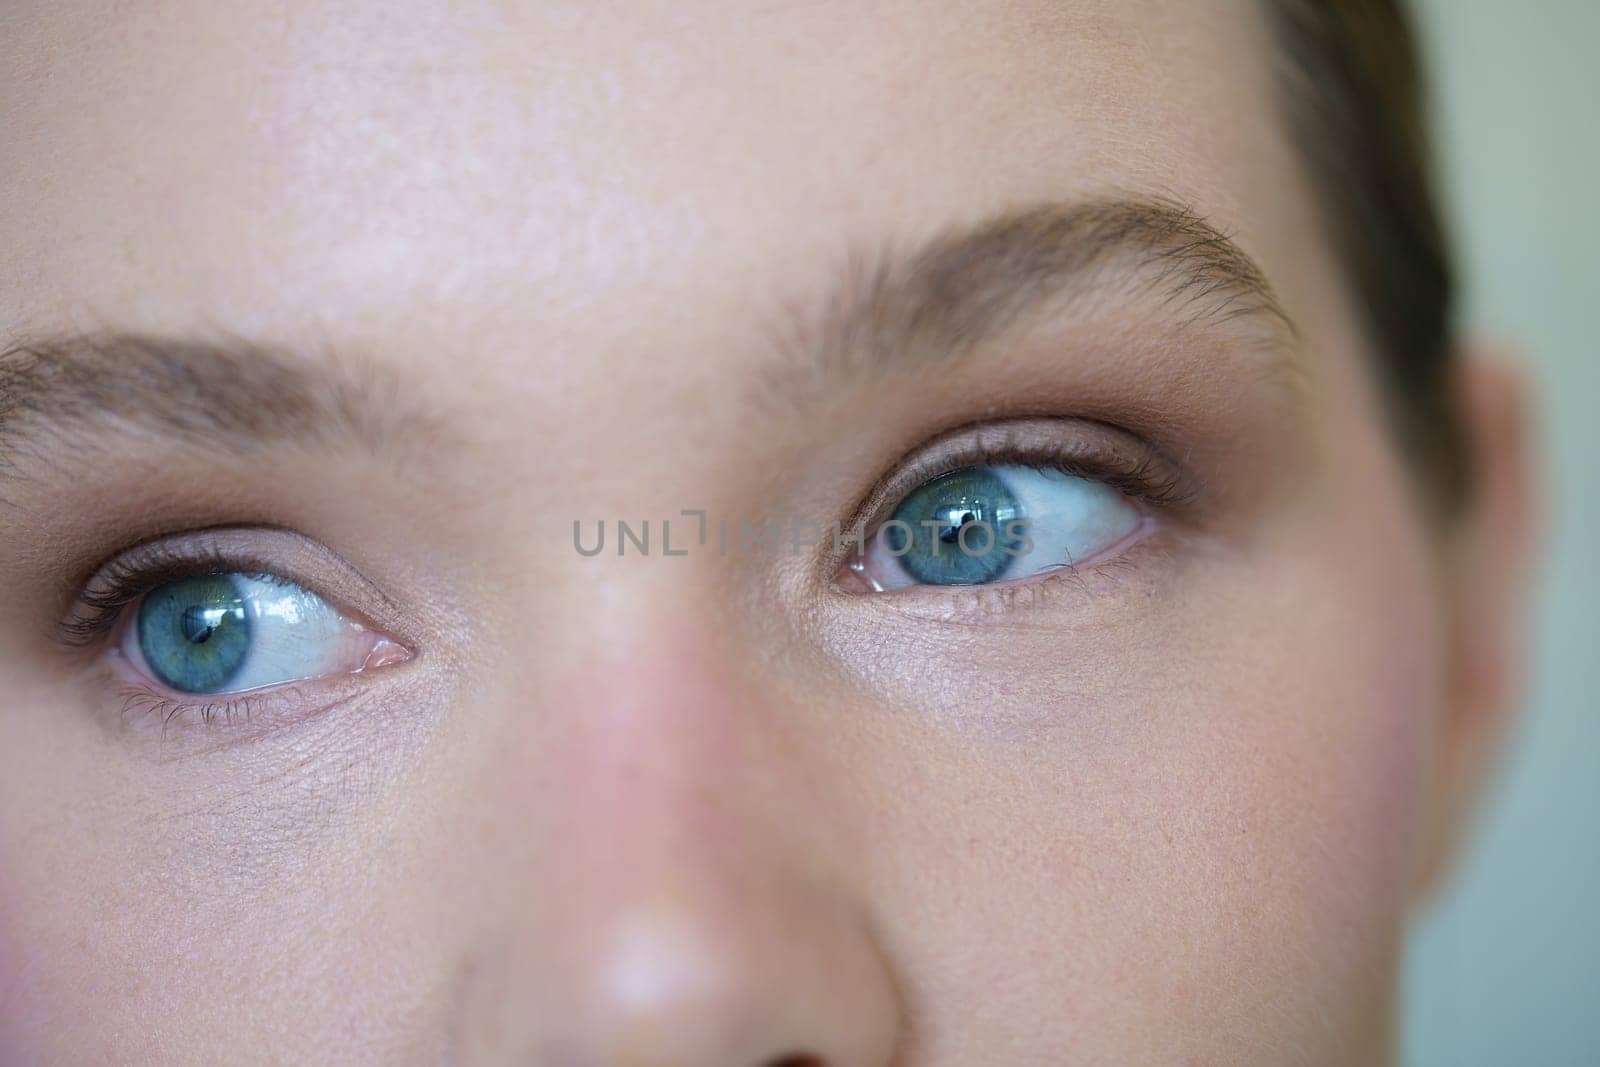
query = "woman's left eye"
{"x": 999, "y": 523}
{"x": 229, "y": 633}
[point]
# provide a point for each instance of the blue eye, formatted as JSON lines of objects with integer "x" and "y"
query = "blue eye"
{"x": 961, "y": 529}
{"x": 195, "y": 634}
{"x": 228, "y": 633}
{"x": 996, "y": 523}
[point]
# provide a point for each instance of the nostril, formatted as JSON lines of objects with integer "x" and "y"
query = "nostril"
{"x": 796, "y": 1061}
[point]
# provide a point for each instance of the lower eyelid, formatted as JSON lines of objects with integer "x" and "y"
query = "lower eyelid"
{"x": 1107, "y": 572}
{"x": 138, "y": 707}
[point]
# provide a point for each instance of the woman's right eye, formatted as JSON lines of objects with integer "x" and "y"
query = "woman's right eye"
{"x": 231, "y": 633}
{"x": 996, "y": 523}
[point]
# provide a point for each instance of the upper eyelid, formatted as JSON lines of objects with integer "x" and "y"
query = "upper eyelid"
{"x": 272, "y": 551}
{"x": 1099, "y": 446}
{"x": 121, "y": 581}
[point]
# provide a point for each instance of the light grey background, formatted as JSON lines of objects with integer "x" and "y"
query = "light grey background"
{"x": 1506, "y": 970}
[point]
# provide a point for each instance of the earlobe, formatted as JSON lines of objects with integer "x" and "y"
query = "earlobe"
{"x": 1489, "y": 549}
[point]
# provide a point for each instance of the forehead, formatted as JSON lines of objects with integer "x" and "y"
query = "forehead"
{"x": 268, "y": 166}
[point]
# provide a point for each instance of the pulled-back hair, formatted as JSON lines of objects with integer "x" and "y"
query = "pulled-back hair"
{"x": 1353, "y": 94}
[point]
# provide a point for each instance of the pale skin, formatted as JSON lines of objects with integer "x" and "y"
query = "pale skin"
{"x": 1174, "y": 806}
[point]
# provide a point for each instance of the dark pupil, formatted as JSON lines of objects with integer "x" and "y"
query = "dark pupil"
{"x": 200, "y": 623}
{"x": 951, "y": 534}
{"x": 936, "y": 517}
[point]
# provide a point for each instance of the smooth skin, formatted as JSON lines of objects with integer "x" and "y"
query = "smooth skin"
{"x": 720, "y": 810}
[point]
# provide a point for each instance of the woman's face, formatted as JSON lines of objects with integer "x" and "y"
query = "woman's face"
{"x": 327, "y": 736}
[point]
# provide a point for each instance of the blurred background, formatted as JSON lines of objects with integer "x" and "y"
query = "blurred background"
{"x": 1506, "y": 969}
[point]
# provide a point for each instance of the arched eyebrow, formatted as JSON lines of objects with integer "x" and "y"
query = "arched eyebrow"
{"x": 945, "y": 299}
{"x": 226, "y": 393}
{"x": 888, "y": 311}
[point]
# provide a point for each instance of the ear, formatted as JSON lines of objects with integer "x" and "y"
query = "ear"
{"x": 1489, "y": 547}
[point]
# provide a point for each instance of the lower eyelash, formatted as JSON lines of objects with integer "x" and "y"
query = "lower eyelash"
{"x": 979, "y": 604}
{"x": 274, "y": 707}
{"x": 140, "y": 704}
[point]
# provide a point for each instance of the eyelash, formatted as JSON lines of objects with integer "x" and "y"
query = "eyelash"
{"x": 123, "y": 580}
{"x": 1127, "y": 464}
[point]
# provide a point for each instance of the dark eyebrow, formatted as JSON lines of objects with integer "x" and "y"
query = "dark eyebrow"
{"x": 888, "y": 311}
{"x": 225, "y": 393}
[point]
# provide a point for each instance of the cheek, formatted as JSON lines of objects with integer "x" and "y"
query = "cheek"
{"x": 54, "y": 974}
{"x": 49, "y": 940}
{"x": 1206, "y": 844}
{"x": 1343, "y": 733}
{"x": 131, "y": 889}
{"x": 20, "y": 1017}
{"x": 1363, "y": 614}
{"x": 1390, "y": 741}
{"x": 1345, "y": 763}
{"x": 1330, "y": 726}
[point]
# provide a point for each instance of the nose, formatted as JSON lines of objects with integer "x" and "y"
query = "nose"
{"x": 683, "y": 896}
{"x": 783, "y": 982}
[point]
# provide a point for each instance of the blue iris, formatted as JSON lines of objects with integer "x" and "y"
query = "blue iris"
{"x": 957, "y": 529}
{"x": 195, "y": 633}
